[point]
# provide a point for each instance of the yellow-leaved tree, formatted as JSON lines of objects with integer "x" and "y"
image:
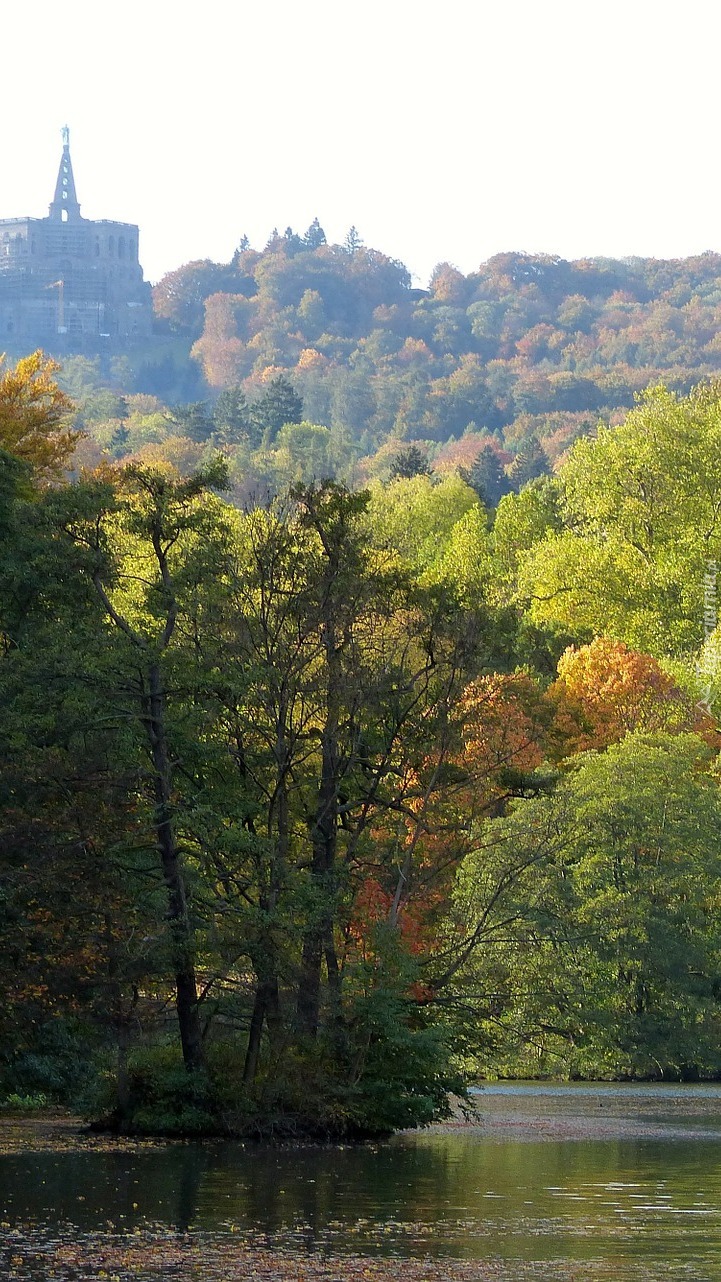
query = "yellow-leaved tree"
{"x": 34, "y": 416}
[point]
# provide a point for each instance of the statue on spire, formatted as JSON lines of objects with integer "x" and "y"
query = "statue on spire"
{"x": 66, "y": 136}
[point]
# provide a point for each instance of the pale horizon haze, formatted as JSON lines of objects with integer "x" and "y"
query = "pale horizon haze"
{"x": 443, "y": 132}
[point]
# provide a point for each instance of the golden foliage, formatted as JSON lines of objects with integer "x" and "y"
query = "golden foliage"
{"x": 33, "y": 416}
{"x": 606, "y": 690}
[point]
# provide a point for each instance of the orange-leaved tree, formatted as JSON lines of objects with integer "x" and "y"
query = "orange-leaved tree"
{"x": 497, "y": 740}
{"x": 605, "y": 690}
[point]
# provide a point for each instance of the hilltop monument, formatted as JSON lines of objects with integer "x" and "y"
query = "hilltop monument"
{"x": 68, "y": 283}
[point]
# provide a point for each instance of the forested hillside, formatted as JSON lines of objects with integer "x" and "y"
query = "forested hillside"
{"x": 521, "y": 336}
{"x": 315, "y": 807}
{"x": 519, "y": 358}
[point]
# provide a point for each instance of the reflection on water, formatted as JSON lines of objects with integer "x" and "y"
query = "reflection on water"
{"x": 517, "y": 1191}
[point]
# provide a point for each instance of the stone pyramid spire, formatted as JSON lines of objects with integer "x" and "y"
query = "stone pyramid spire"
{"x": 65, "y": 207}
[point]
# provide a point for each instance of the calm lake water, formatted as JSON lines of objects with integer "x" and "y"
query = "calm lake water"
{"x": 630, "y": 1174}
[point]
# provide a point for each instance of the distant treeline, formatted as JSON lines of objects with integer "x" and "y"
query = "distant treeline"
{"x": 308, "y": 360}
{"x": 526, "y": 343}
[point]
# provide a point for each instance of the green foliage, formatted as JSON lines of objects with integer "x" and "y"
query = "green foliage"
{"x": 24, "y": 1103}
{"x": 487, "y": 477}
{"x": 232, "y": 416}
{"x": 530, "y": 463}
{"x": 522, "y": 524}
{"x": 163, "y": 1098}
{"x": 279, "y": 404}
{"x": 464, "y": 559}
{"x": 194, "y": 420}
{"x": 640, "y": 507}
{"x": 601, "y": 954}
{"x": 415, "y": 517}
{"x": 396, "y": 1074}
{"x": 55, "y": 1059}
{"x": 247, "y": 752}
{"x": 304, "y": 453}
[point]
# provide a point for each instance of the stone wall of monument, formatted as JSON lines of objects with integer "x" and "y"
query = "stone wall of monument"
{"x": 71, "y": 283}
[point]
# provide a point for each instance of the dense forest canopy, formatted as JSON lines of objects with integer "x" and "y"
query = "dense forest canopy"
{"x": 344, "y": 760}
{"x": 525, "y": 354}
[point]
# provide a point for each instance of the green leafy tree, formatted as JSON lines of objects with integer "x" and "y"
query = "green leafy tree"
{"x": 522, "y": 522}
{"x": 346, "y": 672}
{"x": 591, "y": 916}
{"x": 641, "y": 520}
{"x": 80, "y": 913}
{"x": 309, "y": 449}
{"x": 415, "y": 517}
{"x": 152, "y": 521}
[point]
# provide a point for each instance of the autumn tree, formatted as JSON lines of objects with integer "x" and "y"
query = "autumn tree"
{"x": 34, "y": 416}
{"x": 221, "y": 350}
{"x": 606, "y": 690}
{"x": 180, "y": 296}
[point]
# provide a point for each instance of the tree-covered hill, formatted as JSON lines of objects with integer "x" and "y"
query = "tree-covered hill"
{"x": 525, "y": 344}
{"x": 308, "y": 360}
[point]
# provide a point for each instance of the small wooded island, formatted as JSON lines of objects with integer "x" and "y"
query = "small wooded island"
{"x": 316, "y": 808}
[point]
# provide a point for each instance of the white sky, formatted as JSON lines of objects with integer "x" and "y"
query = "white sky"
{"x": 442, "y": 130}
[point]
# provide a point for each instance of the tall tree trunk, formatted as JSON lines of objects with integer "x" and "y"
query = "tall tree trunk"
{"x": 324, "y": 836}
{"x": 257, "y": 1019}
{"x": 266, "y": 1005}
{"x": 182, "y": 940}
{"x": 266, "y": 1008}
